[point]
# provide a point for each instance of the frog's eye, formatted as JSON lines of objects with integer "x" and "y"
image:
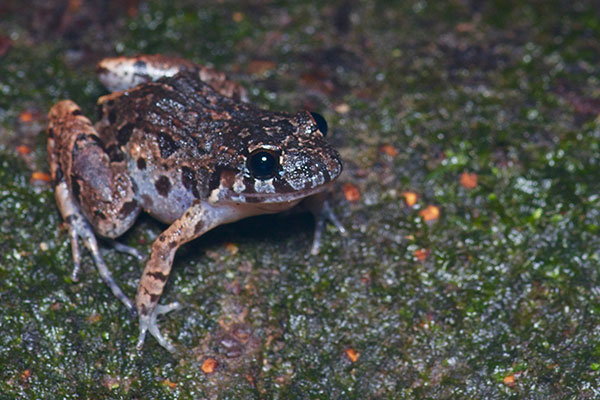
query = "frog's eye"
{"x": 320, "y": 121}
{"x": 262, "y": 164}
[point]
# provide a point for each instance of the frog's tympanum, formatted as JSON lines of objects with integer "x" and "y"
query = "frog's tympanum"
{"x": 180, "y": 142}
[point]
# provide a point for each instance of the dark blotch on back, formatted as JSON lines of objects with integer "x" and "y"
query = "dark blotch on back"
{"x": 166, "y": 144}
{"x": 158, "y": 275}
{"x": 141, "y": 163}
{"x": 96, "y": 139}
{"x": 147, "y": 202}
{"x": 99, "y": 113}
{"x": 115, "y": 154}
{"x": 163, "y": 186}
{"x": 112, "y": 117}
{"x": 140, "y": 64}
{"x": 128, "y": 208}
{"x": 75, "y": 186}
{"x": 198, "y": 227}
{"x": 188, "y": 179}
{"x": 124, "y": 134}
{"x": 59, "y": 175}
{"x": 222, "y": 175}
{"x": 80, "y": 141}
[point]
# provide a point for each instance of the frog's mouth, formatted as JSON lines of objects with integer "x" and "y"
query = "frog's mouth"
{"x": 272, "y": 202}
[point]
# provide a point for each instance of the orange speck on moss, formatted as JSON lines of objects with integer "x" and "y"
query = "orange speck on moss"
{"x": 209, "y": 365}
{"x": 410, "y": 198}
{"x": 260, "y": 67}
{"x": 388, "y": 149}
{"x": 350, "y": 192}
{"x": 23, "y": 150}
{"x": 169, "y": 383}
{"x": 94, "y": 318}
{"x": 352, "y": 354}
{"x": 468, "y": 180}
{"x": 25, "y": 375}
{"x": 25, "y": 116}
{"x": 421, "y": 254}
{"x": 237, "y": 16}
{"x": 509, "y": 380}
{"x": 232, "y": 248}
{"x": 40, "y": 176}
{"x": 430, "y": 213}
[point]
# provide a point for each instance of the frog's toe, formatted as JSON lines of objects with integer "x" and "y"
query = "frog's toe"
{"x": 76, "y": 255}
{"x": 325, "y": 213}
{"x": 163, "y": 309}
{"x": 148, "y": 324}
{"x": 123, "y": 248}
{"x": 331, "y": 217}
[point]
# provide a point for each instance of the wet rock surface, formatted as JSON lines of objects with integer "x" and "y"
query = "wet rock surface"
{"x": 470, "y": 136}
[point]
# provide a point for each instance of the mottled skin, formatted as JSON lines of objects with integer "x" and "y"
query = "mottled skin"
{"x": 186, "y": 153}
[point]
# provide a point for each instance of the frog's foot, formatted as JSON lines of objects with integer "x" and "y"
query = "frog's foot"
{"x": 123, "y": 248}
{"x": 148, "y": 324}
{"x": 80, "y": 228}
{"x": 322, "y": 214}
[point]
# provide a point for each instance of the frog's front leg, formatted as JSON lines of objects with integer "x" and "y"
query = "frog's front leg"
{"x": 201, "y": 217}
{"x": 319, "y": 207}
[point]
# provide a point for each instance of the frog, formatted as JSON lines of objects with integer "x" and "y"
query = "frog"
{"x": 179, "y": 141}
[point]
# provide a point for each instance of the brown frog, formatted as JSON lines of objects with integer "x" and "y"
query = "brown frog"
{"x": 178, "y": 141}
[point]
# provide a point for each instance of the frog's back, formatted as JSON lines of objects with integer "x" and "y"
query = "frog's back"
{"x": 184, "y": 119}
{"x": 175, "y": 113}
{"x": 166, "y": 134}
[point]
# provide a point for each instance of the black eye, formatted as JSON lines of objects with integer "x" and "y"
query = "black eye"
{"x": 321, "y": 123}
{"x": 262, "y": 165}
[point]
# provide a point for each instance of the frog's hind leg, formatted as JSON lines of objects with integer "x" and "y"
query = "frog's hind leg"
{"x": 126, "y": 72}
{"x": 89, "y": 190}
{"x": 122, "y": 73}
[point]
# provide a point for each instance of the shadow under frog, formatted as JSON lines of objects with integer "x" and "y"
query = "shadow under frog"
{"x": 178, "y": 141}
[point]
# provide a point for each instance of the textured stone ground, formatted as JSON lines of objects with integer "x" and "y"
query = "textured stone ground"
{"x": 481, "y": 282}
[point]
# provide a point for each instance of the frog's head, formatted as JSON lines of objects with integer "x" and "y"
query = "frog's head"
{"x": 284, "y": 159}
